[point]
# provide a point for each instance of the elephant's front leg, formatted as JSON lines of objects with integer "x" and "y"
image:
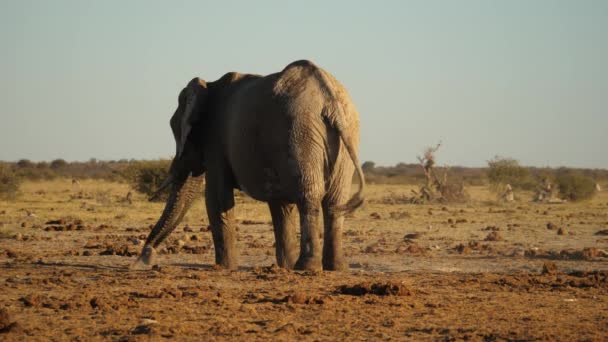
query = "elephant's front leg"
{"x": 220, "y": 209}
{"x": 310, "y": 241}
{"x": 284, "y": 222}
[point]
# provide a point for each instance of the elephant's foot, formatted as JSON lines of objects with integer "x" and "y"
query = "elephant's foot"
{"x": 309, "y": 264}
{"x": 286, "y": 262}
{"x": 226, "y": 262}
{"x": 145, "y": 260}
{"x": 335, "y": 265}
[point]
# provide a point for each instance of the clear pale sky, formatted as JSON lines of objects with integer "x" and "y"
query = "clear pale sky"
{"x": 522, "y": 79}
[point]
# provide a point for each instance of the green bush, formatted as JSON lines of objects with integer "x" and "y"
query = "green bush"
{"x": 147, "y": 176}
{"x": 9, "y": 182}
{"x": 502, "y": 171}
{"x": 574, "y": 186}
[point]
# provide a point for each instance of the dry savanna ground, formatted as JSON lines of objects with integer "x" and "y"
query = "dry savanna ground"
{"x": 478, "y": 271}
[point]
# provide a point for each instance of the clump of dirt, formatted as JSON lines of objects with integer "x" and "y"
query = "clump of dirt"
{"x": 588, "y": 253}
{"x": 463, "y": 249}
{"x": 412, "y": 236}
{"x": 551, "y": 226}
{"x": 160, "y": 293}
{"x": 473, "y": 246}
{"x": 195, "y": 249}
{"x": 398, "y": 215}
{"x": 549, "y": 268}
{"x": 379, "y": 289}
{"x": 35, "y": 300}
{"x": 301, "y": 298}
{"x": 252, "y": 222}
{"x": 10, "y": 254}
{"x": 411, "y": 248}
{"x": 6, "y": 325}
{"x": 393, "y": 200}
{"x": 375, "y": 216}
{"x": 271, "y": 272}
{"x": 561, "y": 231}
{"x": 64, "y": 224}
{"x": 597, "y": 279}
{"x": 493, "y": 236}
{"x": 122, "y": 250}
{"x": 491, "y": 228}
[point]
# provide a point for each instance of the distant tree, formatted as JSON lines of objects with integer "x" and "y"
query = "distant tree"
{"x": 58, "y": 164}
{"x": 368, "y": 166}
{"x": 42, "y": 165}
{"x": 502, "y": 171}
{"x": 24, "y": 163}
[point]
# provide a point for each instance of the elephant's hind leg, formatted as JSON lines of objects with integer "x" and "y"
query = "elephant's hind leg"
{"x": 310, "y": 241}
{"x": 333, "y": 258}
{"x": 284, "y": 218}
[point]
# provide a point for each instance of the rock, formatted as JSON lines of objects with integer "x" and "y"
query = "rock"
{"x": 375, "y": 216}
{"x": 551, "y": 226}
{"x": 561, "y": 231}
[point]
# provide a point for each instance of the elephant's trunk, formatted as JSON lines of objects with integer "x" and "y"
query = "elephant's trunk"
{"x": 182, "y": 196}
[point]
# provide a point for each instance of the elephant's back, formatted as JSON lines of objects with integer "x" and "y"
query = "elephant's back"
{"x": 277, "y": 135}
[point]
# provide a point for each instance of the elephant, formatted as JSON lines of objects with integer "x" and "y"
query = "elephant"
{"x": 289, "y": 139}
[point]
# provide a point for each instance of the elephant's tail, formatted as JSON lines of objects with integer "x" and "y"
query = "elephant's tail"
{"x": 336, "y": 118}
{"x": 337, "y": 113}
{"x": 357, "y": 199}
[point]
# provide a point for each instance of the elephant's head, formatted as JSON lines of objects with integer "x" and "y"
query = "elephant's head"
{"x": 187, "y": 167}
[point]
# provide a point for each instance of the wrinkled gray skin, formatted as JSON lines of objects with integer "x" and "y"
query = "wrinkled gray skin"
{"x": 289, "y": 139}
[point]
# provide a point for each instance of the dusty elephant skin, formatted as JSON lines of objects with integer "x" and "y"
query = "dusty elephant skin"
{"x": 289, "y": 139}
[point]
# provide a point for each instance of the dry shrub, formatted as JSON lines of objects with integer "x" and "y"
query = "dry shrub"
{"x": 9, "y": 182}
{"x": 147, "y": 176}
{"x": 575, "y": 186}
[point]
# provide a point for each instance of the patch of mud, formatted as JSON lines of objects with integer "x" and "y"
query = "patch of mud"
{"x": 378, "y": 289}
{"x": 588, "y": 253}
{"x": 556, "y": 280}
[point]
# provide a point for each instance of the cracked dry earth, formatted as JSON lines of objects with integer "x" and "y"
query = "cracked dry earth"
{"x": 479, "y": 271}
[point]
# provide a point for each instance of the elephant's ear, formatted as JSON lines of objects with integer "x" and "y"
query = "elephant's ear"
{"x": 191, "y": 109}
